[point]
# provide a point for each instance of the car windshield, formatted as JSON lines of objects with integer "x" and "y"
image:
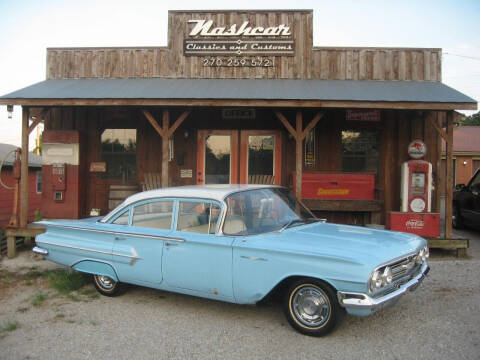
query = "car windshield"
{"x": 263, "y": 210}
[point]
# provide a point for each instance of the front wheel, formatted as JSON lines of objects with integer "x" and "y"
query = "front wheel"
{"x": 457, "y": 221}
{"x": 106, "y": 285}
{"x": 311, "y": 307}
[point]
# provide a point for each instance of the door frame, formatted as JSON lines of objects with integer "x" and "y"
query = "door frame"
{"x": 201, "y": 133}
{"x": 277, "y": 154}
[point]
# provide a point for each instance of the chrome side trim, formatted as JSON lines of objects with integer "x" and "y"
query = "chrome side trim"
{"x": 158, "y": 237}
{"x": 40, "y": 251}
{"x": 134, "y": 256}
{"x": 363, "y": 301}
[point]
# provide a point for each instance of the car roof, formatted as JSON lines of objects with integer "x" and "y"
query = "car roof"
{"x": 215, "y": 192}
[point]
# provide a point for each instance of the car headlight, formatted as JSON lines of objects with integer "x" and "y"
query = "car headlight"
{"x": 387, "y": 275}
{"x": 423, "y": 255}
{"x": 376, "y": 281}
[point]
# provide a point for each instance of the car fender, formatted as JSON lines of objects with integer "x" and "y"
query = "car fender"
{"x": 96, "y": 268}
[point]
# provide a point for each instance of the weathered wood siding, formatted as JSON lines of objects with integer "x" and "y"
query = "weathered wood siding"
{"x": 308, "y": 62}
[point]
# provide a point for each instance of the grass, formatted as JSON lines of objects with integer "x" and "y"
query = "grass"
{"x": 9, "y": 326}
{"x": 39, "y": 298}
{"x": 66, "y": 281}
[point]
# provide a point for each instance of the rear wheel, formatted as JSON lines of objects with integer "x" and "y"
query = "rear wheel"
{"x": 311, "y": 307}
{"x": 106, "y": 285}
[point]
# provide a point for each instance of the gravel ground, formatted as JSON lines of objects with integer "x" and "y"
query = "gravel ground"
{"x": 441, "y": 320}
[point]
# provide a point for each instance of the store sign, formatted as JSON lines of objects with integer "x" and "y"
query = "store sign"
{"x": 244, "y": 114}
{"x": 363, "y": 115}
{"x": 417, "y": 149}
{"x": 205, "y": 28}
{"x": 207, "y": 39}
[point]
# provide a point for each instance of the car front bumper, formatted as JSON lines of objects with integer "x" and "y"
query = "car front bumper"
{"x": 362, "y": 304}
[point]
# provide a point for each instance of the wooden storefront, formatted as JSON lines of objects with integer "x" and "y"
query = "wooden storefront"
{"x": 252, "y": 84}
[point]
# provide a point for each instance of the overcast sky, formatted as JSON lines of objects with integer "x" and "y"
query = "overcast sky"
{"x": 28, "y": 27}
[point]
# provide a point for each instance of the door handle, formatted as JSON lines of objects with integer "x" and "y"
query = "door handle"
{"x": 119, "y": 238}
{"x": 171, "y": 244}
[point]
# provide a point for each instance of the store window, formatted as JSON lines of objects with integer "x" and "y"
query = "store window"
{"x": 39, "y": 182}
{"x": 119, "y": 152}
{"x": 360, "y": 151}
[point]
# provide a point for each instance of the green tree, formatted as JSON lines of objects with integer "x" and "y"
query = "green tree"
{"x": 472, "y": 120}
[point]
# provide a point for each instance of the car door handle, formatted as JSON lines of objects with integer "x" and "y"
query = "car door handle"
{"x": 119, "y": 238}
{"x": 171, "y": 244}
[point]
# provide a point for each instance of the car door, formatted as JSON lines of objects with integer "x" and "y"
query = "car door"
{"x": 202, "y": 263}
{"x": 137, "y": 251}
{"x": 471, "y": 212}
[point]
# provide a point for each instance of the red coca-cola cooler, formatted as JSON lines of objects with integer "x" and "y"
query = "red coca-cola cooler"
{"x": 422, "y": 224}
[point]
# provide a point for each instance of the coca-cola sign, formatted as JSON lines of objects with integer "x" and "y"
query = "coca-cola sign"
{"x": 414, "y": 224}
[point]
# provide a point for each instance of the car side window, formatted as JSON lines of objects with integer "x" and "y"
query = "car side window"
{"x": 475, "y": 184}
{"x": 156, "y": 214}
{"x": 122, "y": 219}
{"x": 198, "y": 217}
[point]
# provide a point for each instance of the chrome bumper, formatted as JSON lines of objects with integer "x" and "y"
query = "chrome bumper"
{"x": 40, "y": 251}
{"x": 363, "y": 301}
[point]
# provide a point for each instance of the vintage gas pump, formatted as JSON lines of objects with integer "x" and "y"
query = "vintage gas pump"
{"x": 58, "y": 182}
{"x": 416, "y": 196}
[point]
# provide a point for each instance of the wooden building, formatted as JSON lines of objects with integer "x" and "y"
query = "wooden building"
{"x": 7, "y": 186}
{"x": 237, "y": 97}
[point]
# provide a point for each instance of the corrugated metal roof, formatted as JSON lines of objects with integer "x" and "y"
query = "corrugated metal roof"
{"x": 33, "y": 159}
{"x": 250, "y": 89}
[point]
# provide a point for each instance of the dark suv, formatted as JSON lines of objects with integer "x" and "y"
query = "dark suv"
{"x": 466, "y": 203}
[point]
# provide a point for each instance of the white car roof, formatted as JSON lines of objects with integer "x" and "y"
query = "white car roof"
{"x": 215, "y": 192}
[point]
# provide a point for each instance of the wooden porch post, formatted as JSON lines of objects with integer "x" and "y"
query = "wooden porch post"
{"x": 24, "y": 170}
{"x": 449, "y": 182}
{"x": 299, "y": 134}
{"x": 165, "y": 152}
{"x": 165, "y": 132}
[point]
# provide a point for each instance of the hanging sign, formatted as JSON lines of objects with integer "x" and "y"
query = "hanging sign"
{"x": 363, "y": 115}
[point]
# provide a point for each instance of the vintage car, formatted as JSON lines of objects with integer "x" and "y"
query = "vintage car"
{"x": 240, "y": 243}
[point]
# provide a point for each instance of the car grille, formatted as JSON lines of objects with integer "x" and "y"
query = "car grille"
{"x": 402, "y": 271}
{"x": 403, "y": 267}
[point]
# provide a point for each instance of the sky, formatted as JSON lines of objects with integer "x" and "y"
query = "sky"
{"x": 29, "y": 27}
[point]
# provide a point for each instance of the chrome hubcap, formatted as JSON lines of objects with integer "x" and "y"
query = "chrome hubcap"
{"x": 311, "y": 306}
{"x": 106, "y": 282}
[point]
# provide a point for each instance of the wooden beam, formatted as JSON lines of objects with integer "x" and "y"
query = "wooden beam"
{"x": 285, "y": 123}
{"x": 312, "y": 124}
{"x": 24, "y": 170}
{"x": 165, "y": 150}
{"x": 299, "y": 155}
{"x": 178, "y": 122}
{"x": 441, "y": 132}
{"x": 154, "y": 122}
{"x": 449, "y": 182}
{"x": 402, "y": 105}
{"x": 37, "y": 121}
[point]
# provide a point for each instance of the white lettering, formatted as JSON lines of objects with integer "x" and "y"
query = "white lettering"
{"x": 204, "y": 28}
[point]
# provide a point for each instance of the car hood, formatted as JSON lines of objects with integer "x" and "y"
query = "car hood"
{"x": 351, "y": 243}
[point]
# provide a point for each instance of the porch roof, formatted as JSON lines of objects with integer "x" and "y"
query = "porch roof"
{"x": 238, "y": 92}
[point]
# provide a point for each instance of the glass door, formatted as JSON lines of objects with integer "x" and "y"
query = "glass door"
{"x": 261, "y": 157}
{"x": 217, "y": 157}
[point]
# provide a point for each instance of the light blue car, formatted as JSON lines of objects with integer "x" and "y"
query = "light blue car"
{"x": 241, "y": 243}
